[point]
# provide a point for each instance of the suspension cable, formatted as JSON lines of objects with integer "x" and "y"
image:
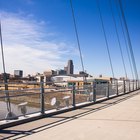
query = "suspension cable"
{"x": 125, "y": 41}
{"x": 129, "y": 41}
{"x": 5, "y": 75}
{"x": 77, "y": 37}
{"x": 2, "y": 53}
{"x": 105, "y": 37}
{"x": 117, "y": 34}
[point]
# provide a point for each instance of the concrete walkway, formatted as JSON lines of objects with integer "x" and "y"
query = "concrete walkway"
{"x": 109, "y": 120}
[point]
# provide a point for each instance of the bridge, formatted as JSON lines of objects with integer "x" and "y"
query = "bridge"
{"x": 95, "y": 109}
{"x": 113, "y": 118}
{"x": 38, "y": 110}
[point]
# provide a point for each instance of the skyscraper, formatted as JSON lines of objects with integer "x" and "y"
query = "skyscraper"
{"x": 70, "y": 67}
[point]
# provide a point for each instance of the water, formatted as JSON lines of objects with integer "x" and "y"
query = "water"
{"x": 15, "y": 110}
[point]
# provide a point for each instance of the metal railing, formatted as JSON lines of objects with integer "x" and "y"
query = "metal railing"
{"x": 45, "y": 99}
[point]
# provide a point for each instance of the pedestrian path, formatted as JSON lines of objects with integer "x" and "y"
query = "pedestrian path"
{"x": 115, "y": 119}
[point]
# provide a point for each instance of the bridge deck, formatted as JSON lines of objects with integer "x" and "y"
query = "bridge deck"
{"x": 114, "y": 119}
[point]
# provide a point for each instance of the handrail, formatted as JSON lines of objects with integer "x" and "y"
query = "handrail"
{"x": 77, "y": 94}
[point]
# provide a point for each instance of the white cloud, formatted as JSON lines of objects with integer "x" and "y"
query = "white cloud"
{"x": 26, "y": 46}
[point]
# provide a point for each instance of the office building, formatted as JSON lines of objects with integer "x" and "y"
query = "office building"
{"x": 18, "y": 73}
{"x": 70, "y": 67}
{"x": 61, "y": 72}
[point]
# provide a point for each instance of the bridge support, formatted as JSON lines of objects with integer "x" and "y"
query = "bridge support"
{"x": 42, "y": 98}
{"x": 94, "y": 91}
{"x": 73, "y": 95}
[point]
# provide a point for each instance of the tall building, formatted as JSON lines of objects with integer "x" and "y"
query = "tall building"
{"x": 70, "y": 67}
{"x": 66, "y": 69}
{"x": 18, "y": 73}
{"x": 61, "y": 72}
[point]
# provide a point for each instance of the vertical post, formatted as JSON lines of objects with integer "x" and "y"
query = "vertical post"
{"x": 94, "y": 91}
{"x": 129, "y": 86}
{"x": 73, "y": 94}
{"x": 124, "y": 86}
{"x": 117, "y": 87}
{"x": 133, "y": 85}
{"x": 136, "y": 85}
{"x": 42, "y": 97}
{"x": 108, "y": 90}
{"x": 7, "y": 93}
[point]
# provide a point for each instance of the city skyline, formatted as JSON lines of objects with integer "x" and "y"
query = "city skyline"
{"x": 39, "y": 35}
{"x": 67, "y": 70}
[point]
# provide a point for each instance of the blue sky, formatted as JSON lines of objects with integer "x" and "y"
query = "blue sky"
{"x": 39, "y": 35}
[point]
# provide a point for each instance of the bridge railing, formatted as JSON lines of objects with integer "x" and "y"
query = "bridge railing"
{"x": 44, "y": 98}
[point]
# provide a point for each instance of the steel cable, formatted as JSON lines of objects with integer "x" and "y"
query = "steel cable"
{"x": 125, "y": 41}
{"x": 129, "y": 41}
{"x": 118, "y": 39}
{"x": 4, "y": 74}
{"x": 77, "y": 37}
{"x": 105, "y": 37}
